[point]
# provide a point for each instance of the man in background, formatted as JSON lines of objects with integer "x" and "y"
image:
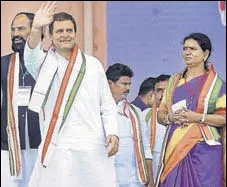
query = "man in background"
{"x": 160, "y": 130}
{"x": 146, "y": 95}
{"x": 20, "y": 133}
{"x": 133, "y": 160}
{"x": 143, "y": 103}
{"x": 148, "y": 100}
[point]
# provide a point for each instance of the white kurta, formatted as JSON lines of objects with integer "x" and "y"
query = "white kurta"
{"x": 125, "y": 160}
{"x": 80, "y": 157}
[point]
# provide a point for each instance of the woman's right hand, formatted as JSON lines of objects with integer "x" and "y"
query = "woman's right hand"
{"x": 181, "y": 118}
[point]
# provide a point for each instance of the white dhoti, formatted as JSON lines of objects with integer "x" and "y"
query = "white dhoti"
{"x": 75, "y": 168}
{"x": 28, "y": 158}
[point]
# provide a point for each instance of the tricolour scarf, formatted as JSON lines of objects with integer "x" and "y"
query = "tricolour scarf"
{"x": 130, "y": 112}
{"x": 58, "y": 103}
{"x": 41, "y": 92}
{"x": 151, "y": 117}
{"x": 12, "y": 118}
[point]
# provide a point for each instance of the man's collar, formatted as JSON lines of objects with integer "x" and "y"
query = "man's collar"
{"x": 138, "y": 102}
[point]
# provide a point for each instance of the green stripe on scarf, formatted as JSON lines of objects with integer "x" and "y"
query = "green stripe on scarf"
{"x": 141, "y": 146}
{"x": 48, "y": 91}
{"x": 212, "y": 105}
{"x": 214, "y": 95}
{"x": 148, "y": 116}
{"x": 11, "y": 162}
{"x": 215, "y": 133}
{"x": 74, "y": 90}
{"x": 169, "y": 85}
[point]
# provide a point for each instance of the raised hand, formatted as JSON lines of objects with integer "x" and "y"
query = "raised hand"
{"x": 44, "y": 16}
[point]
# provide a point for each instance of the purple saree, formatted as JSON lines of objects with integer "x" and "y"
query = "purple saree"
{"x": 201, "y": 165}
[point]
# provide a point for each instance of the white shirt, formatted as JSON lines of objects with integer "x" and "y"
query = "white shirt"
{"x": 93, "y": 113}
{"x": 125, "y": 161}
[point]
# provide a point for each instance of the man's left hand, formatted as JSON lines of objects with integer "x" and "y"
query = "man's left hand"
{"x": 113, "y": 141}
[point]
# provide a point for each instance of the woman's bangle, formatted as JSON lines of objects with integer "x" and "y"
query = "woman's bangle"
{"x": 203, "y": 117}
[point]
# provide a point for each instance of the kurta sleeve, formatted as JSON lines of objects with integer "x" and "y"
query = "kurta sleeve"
{"x": 108, "y": 105}
{"x": 33, "y": 59}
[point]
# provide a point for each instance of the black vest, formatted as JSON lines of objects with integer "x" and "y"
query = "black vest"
{"x": 32, "y": 117}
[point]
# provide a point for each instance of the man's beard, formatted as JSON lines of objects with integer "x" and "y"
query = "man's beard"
{"x": 18, "y": 47}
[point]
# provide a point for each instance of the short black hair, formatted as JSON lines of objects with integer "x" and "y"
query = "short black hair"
{"x": 162, "y": 77}
{"x": 117, "y": 70}
{"x": 146, "y": 86}
{"x": 29, "y": 15}
{"x": 62, "y": 16}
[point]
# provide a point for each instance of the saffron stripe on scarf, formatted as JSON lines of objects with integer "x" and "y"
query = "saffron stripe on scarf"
{"x": 205, "y": 89}
{"x": 139, "y": 149}
{"x": 221, "y": 111}
{"x": 59, "y": 101}
{"x": 14, "y": 152}
{"x": 74, "y": 90}
{"x": 153, "y": 126}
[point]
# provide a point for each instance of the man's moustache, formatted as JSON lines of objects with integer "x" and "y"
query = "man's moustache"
{"x": 17, "y": 38}
{"x": 18, "y": 47}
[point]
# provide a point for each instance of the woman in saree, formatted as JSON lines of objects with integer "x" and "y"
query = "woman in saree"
{"x": 194, "y": 108}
